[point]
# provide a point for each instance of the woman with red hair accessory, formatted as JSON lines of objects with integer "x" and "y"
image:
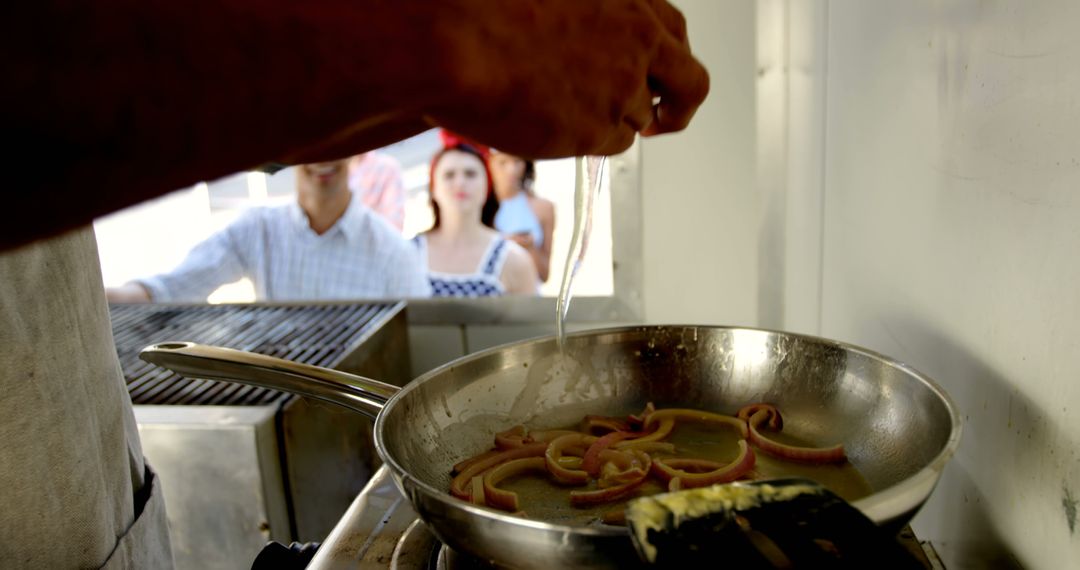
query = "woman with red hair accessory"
{"x": 453, "y": 140}
{"x": 464, "y": 255}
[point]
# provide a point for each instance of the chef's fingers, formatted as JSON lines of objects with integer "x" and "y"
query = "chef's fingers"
{"x": 640, "y": 112}
{"x": 681, "y": 83}
{"x": 619, "y": 140}
{"x": 672, "y": 19}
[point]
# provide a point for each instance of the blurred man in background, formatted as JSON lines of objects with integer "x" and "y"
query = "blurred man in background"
{"x": 326, "y": 245}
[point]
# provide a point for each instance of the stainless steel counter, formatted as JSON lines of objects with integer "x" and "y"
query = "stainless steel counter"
{"x": 368, "y": 534}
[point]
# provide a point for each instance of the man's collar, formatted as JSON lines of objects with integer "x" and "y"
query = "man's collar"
{"x": 350, "y": 224}
{"x": 352, "y": 221}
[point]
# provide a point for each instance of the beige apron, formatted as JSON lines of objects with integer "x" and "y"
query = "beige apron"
{"x": 74, "y": 490}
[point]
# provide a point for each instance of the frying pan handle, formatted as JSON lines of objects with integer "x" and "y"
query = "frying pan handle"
{"x": 216, "y": 363}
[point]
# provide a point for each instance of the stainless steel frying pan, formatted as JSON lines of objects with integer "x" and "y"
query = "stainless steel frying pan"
{"x": 899, "y": 428}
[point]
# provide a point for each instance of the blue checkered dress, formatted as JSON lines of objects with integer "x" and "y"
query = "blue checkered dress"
{"x": 484, "y": 282}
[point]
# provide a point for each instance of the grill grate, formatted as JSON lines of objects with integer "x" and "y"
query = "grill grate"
{"x": 321, "y": 335}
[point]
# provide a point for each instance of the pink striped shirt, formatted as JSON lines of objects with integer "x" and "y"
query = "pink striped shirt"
{"x": 376, "y": 178}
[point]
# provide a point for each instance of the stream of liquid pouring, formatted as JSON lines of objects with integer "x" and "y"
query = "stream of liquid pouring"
{"x": 590, "y": 172}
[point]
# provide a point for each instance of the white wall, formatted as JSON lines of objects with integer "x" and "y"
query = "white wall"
{"x": 946, "y": 138}
{"x": 700, "y": 203}
{"x": 904, "y": 176}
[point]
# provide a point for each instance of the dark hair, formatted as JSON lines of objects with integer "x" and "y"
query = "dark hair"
{"x": 491, "y": 204}
{"x": 528, "y": 177}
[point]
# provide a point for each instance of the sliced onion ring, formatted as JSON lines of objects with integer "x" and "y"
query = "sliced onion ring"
{"x": 465, "y": 464}
{"x": 586, "y": 498}
{"x": 501, "y": 498}
{"x": 637, "y": 421}
{"x": 662, "y": 431}
{"x": 458, "y": 484}
{"x": 570, "y": 462}
{"x": 511, "y": 438}
{"x": 670, "y": 469}
{"x": 596, "y": 425}
{"x": 478, "y": 496}
{"x": 681, "y": 414}
{"x": 776, "y": 422}
{"x": 621, "y": 467}
{"x": 591, "y": 462}
{"x": 554, "y": 452}
{"x": 834, "y": 454}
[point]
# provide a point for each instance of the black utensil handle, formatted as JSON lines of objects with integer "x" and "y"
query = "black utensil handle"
{"x": 277, "y": 556}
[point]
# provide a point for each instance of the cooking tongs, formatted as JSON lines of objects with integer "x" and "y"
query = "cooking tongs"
{"x": 781, "y": 523}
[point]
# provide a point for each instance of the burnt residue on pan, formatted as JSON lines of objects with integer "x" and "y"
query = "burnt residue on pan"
{"x": 1068, "y": 504}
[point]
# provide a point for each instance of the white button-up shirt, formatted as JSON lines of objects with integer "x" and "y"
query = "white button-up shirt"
{"x": 359, "y": 257}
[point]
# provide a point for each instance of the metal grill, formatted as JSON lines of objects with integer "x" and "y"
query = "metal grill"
{"x": 321, "y": 335}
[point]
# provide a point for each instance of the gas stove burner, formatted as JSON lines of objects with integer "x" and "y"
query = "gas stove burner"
{"x": 418, "y": 548}
{"x": 447, "y": 558}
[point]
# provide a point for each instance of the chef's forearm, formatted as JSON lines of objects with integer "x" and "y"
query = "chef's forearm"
{"x": 137, "y": 97}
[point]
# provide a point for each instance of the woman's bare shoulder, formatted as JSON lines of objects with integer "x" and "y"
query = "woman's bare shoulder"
{"x": 516, "y": 254}
{"x": 519, "y": 272}
{"x": 541, "y": 205}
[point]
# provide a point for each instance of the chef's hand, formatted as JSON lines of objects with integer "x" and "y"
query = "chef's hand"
{"x": 555, "y": 78}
